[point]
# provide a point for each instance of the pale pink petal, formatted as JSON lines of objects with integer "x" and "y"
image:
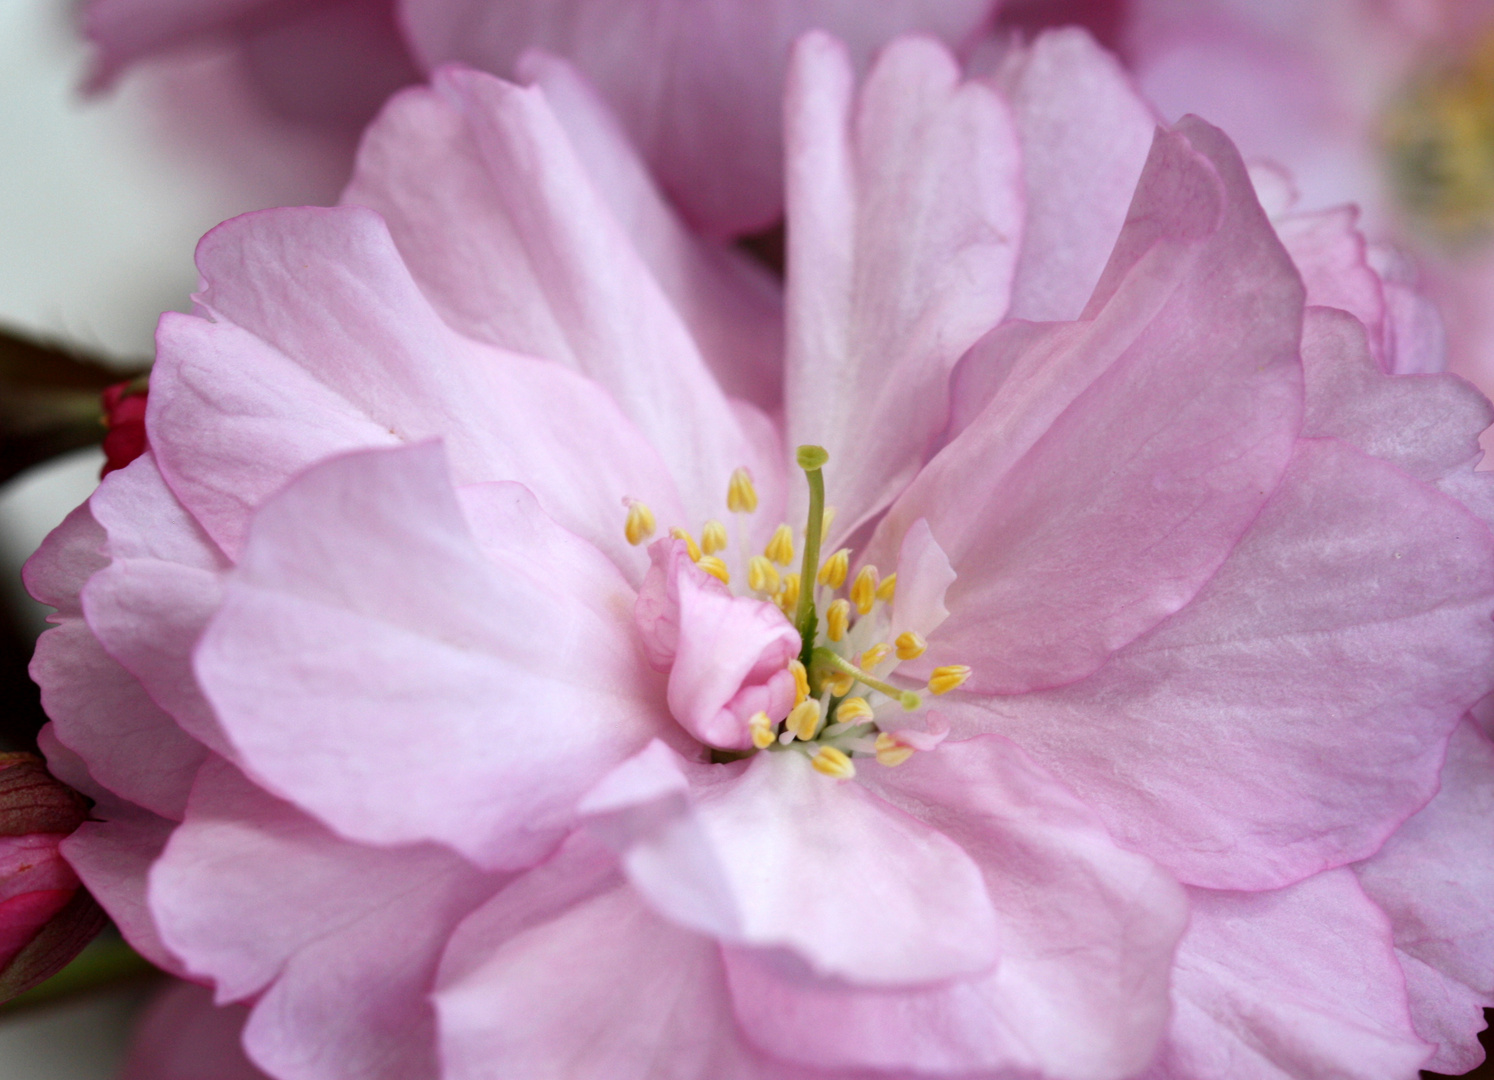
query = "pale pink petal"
{"x": 342, "y": 938}
{"x": 1102, "y": 485}
{"x": 1434, "y": 878}
{"x": 1085, "y": 136}
{"x": 322, "y": 342}
{"x": 923, "y": 578}
{"x": 1087, "y": 931}
{"x": 1296, "y": 982}
{"x": 905, "y": 215}
{"x": 68, "y": 557}
{"x": 727, "y": 656}
{"x": 776, "y": 855}
{"x": 732, "y": 305}
{"x": 1330, "y": 254}
{"x": 373, "y": 665}
{"x": 1447, "y": 1013}
{"x": 1354, "y": 615}
{"x": 125, "y": 30}
{"x": 568, "y": 973}
{"x": 515, "y": 226}
{"x": 184, "y": 1036}
{"x": 697, "y": 86}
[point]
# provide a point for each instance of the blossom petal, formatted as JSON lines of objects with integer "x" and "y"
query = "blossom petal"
{"x": 374, "y": 666}
{"x": 71, "y": 553}
{"x": 184, "y": 1036}
{"x": 923, "y": 578}
{"x": 1354, "y": 615}
{"x": 1115, "y": 476}
{"x": 672, "y": 71}
{"x": 510, "y": 238}
{"x": 776, "y": 856}
{"x": 1330, "y": 254}
{"x": 322, "y": 343}
{"x": 1296, "y": 982}
{"x": 1434, "y": 878}
{"x": 254, "y": 894}
{"x": 727, "y": 656}
{"x": 1088, "y": 930}
{"x": 905, "y": 212}
{"x": 1085, "y": 137}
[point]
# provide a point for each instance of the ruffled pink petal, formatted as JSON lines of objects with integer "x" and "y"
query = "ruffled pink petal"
{"x": 1354, "y": 615}
{"x": 1446, "y": 1013}
{"x": 1297, "y": 982}
{"x": 322, "y": 343}
{"x": 508, "y": 235}
{"x": 905, "y": 215}
{"x": 923, "y": 578}
{"x": 184, "y": 1036}
{"x": 126, "y": 30}
{"x": 1085, "y": 137}
{"x": 342, "y": 938}
{"x": 726, "y": 655}
{"x": 1120, "y": 461}
{"x": 697, "y": 86}
{"x": 1434, "y": 878}
{"x": 1331, "y": 256}
{"x": 373, "y": 665}
{"x": 568, "y": 972}
{"x": 778, "y": 857}
{"x": 1087, "y": 931}
{"x": 71, "y": 553}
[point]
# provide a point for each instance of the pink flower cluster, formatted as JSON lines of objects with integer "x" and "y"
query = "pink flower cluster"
{"x": 450, "y": 699}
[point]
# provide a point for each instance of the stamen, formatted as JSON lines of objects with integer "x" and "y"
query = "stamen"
{"x": 864, "y": 589}
{"x": 781, "y": 548}
{"x": 762, "y": 575}
{"x": 715, "y": 567}
{"x": 888, "y": 587}
{"x": 890, "y": 752}
{"x": 839, "y": 683}
{"x": 741, "y": 495}
{"x": 944, "y": 679}
{"x": 640, "y": 524}
{"x": 801, "y": 681}
{"x": 712, "y": 537}
{"x": 826, "y": 520}
{"x": 761, "y": 728}
{"x": 910, "y": 645}
{"x": 853, "y": 710}
{"x": 838, "y": 619}
{"x": 788, "y": 599}
{"x": 874, "y": 656}
{"x": 833, "y": 573}
{"x": 824, "y": 658}
{"x": 834, "y": 763}
{"x": 690, "y": 544}
{"x": 804, "y": 721}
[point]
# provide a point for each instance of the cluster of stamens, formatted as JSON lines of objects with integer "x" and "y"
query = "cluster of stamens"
{"x": 841, "y": 672}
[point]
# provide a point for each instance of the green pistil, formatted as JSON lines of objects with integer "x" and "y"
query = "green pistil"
{"x": 824, "y": 658}
{"x": 811, "y": 459}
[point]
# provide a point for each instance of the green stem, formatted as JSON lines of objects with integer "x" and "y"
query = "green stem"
{"x": 811, "y": 459}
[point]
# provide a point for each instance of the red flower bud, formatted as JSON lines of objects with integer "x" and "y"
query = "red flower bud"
{"x": 46, "y": 917}
{"x": 124, "y": 416}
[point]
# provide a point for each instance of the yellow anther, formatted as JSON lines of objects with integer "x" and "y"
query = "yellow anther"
{"x": 781, "y": 548}
{"x": 839, "y": 682}
{"x": 887, "y": 588}
{"x": 833, "y": 572}
{"x": 712, "y": 537}
{"x": 804, "y": 721}
{"x": 640, "y": 524}
{"x": 944, "y": 679}
{"x": 788, "y": 599}
{"x": 834, "y": 762}
{"x": 715, "y": 567}
{"x": 838, "y": 619}
{"x": 801, "y": 682}
{"x": 910, "y": 645}
{"x": 873, "y": 656}
{"x": 690, "y": 544}
{"x": 864, "y": 589}
{"x": 761, "y": 729}
{"x": 853, "y": 710}
{"x": 826, "y": 520}
{"x": 762, "y": 575}
{"x": 741, "y": 495}
{"x": 890, "y": 752}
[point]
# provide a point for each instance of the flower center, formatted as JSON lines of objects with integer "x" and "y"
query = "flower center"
{"x": 1439, "y": 138}
{"x": 844, "y": 702}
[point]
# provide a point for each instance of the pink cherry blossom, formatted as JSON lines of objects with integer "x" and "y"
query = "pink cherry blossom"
{"x": 437, "y": 671}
